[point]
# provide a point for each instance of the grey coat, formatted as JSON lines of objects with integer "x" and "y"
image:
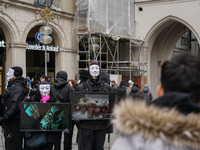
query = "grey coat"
{"x": 146, "y": 94}
{"x": 154, "y": 128}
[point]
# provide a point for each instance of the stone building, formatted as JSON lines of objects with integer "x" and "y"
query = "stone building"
{"x": 20, "y": 21}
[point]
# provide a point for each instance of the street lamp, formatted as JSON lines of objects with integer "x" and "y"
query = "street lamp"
{"x": 46, "y": 39}
{"x": 46, "y": 30}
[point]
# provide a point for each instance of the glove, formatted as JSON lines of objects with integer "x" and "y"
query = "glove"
{"x": 32, "y": 92}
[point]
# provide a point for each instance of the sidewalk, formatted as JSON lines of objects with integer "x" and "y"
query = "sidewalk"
{"x": 107, "y": 145}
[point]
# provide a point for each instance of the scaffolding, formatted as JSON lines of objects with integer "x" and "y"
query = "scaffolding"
{"x": 103, "y": 38}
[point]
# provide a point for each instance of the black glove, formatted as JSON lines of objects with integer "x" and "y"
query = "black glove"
{"x": 32, "y": 92}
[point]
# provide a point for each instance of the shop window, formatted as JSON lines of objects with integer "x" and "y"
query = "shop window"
{"x": 44, "y": 2}
{"x": 50, "y": 3}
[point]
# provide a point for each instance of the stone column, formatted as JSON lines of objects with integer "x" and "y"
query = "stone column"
{"x": 16, "y": 56}
{"x": 66, "y": 61}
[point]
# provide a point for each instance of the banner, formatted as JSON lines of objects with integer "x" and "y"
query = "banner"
{"x": 44, "y": 116}
{"x": 92, "y": 106}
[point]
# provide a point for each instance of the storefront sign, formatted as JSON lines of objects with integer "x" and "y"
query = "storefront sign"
{"x": 43, "y": 48}
{"x": 2, "y": 44}
{"x": 37, "y": 36}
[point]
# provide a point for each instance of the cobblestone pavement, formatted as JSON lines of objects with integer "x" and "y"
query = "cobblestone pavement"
{"x": 107, "y": 145}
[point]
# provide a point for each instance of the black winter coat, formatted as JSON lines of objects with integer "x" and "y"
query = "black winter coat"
{"x": 13, "y": 97}
{"x": 184, "y": 103}
{"x": 135, "y": 93}
{"x": 121, "y": 92}
{"x": 94, "y": 87}
{"x": 61, "y": 90}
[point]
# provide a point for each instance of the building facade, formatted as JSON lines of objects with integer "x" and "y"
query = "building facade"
{"x": 161, "y": 23}
{"x": 20, "y": 21}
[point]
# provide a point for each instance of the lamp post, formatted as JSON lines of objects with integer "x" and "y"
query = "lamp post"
{"x": 46, "y": 39}
{"x": 46, "y": 30}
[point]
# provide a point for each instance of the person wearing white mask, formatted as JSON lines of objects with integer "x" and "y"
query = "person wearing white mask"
{"x": 92, "y": 133}
{"x": 12, "y": 97}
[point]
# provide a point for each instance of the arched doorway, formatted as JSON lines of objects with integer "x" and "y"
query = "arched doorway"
{"x": 162, "y": 40}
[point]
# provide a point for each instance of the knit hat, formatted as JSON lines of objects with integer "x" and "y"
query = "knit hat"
{"x": 17, "y": 71}
{"x": 44, "y": 82}
{"x": 122, "y": 83}
{"x": 62, "y": 74}
{"x": 93, "y": 63}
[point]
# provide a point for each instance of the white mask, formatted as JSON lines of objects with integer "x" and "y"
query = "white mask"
{"x": 44, "y": 89}
{"x": 10, "y": 74}
{"x": 94, "y": 70}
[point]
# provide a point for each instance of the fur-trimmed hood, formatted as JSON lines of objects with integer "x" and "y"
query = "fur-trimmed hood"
{"x": 151, "y": 122}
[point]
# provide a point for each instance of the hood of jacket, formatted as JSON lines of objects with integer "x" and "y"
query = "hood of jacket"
{"x": 17, "y": 80}
{"x": 145, "y": 89}
{"x": 134, "y": 89}
{"x": 59, "y": 82}
{"x": 151, "y": 122}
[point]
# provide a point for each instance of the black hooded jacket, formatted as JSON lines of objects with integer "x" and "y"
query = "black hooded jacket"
{"x": 121, "y": 92}
{"x": 184, "y": 103}
{"x": 13, "y": 97}
{"x": 136, "y": 93}
{"x": 61, "y": 90}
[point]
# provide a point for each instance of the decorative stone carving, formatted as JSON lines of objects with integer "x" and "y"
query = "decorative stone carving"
{"x": 37, "y": 15}
{"x": 55, "y": 19}
{"x": 3, "y": 7}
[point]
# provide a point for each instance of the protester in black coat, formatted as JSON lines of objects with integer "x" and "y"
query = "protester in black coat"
{"x": 61, "y": 92}
{"x": 135, "y": 93}
{"x": 121, "y": 91}
{"x": 12, "y": 98}
{"x": 51, "y": 136}
{"x": 92, "y": 133}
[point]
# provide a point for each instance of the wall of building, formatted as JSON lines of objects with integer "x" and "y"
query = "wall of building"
{"x": 65, "y": 5}
{"x": 18, "y": 19}
{"x": 161, "y": 24}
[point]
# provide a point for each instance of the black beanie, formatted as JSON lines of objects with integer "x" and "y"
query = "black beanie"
{"x": 17, "y": 71}
{"x": 62, "y": 74}
{"x": 44, "y": 82}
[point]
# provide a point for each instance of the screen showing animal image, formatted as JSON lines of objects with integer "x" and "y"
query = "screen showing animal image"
{"x": 87, "y": 106}
{"x": 44, "y": 116}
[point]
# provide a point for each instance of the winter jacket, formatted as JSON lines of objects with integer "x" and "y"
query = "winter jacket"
{"x": 146, "y": 94}
{"x": 93, "y": 87}
{"x": 121, "y": 92}
{"x": 13, "y": 97}
{"x": 149, "y": 127}
{"x": 184, "y": 103}
{"x": 136, "y": 93}
{"x": 61, "y": 90}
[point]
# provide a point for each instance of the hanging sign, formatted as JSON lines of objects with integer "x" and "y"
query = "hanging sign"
{"x": 37, "y": 36}
{"x": 43, "y": 48}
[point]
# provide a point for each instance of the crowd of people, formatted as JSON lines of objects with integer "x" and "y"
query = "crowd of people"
{"x": 168, "y": 122}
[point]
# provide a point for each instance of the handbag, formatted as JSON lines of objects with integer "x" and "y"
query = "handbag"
{"x": 35, "y": 139}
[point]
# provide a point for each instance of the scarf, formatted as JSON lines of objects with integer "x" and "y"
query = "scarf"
{"x": 44, "y": 98}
